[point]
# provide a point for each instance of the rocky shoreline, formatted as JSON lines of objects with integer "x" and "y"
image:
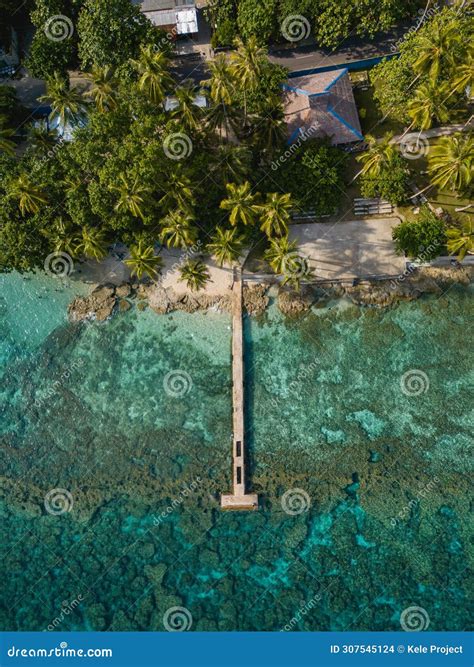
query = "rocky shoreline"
{"x": 106, "y": 300}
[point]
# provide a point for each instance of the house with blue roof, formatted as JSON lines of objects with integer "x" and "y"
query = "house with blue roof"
{"x": 322, "y": 105}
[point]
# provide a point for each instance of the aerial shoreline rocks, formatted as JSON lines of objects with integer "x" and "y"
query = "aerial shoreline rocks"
{"x": 107, "y": 299}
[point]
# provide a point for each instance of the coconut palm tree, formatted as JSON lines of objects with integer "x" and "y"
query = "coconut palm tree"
{"x": 92, "y": 243}
{"x": 104, "y": 88}
{"x": 435, "y": 48}
{"x": 195, "y": 274}
{"x": 187, "y": 113}
{"x": 464, "y": 75}
{"x": 461, "y": 239}
{"x": 246, "y": 64}
{"x": 232, "y": 163}
{"x": 30, "y": 197}
{"x": 40, "y": 138}
{"x": 66, "y": 103}
{"x": 132, "y": 196}
{"x": 270, "y": 129}
{"x": 6, "y": 145}
{"x": 296, "y": 270}
{"x": 62, "y": 236}
{"x": 178, "y": 191}
{"x": 428, "y": 104}
{"x": 275, "y": 214}
{"x": 221, "y": 82}
{"x": 178, "y": 230}
{"x": 222, "y": 118}
{"x": 378, "y": 156}
{"x": 278, "y": 253}
{"x": 241, "y": 203}
{"x": 451, "y": 162}
{"x": 143, "y": 261}
{"x": 154, "y": 78}
{"x": 226, "y": 246}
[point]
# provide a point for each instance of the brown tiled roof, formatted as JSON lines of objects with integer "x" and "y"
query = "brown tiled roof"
{"x": 324, "y": 100}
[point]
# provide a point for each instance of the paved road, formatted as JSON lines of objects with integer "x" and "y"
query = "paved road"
{"x": 357, "y": 48}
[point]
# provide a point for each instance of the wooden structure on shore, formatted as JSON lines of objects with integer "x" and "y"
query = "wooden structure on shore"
{"x": 240, "y": 499}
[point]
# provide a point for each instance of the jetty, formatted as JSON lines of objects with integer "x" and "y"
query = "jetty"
{"x": 239, "y": 499}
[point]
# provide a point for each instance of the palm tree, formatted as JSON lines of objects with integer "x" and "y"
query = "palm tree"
{"x": 154, "y": 78}
{"x": 461, "y": 240}
{"x": 40, "y": 138}
{"x": 222, "y": 118}
{"x": 275, "y": 214}
{"x": 92, "y": 243}
{"x": 6, "y": 145}
{"x": 241, "y": 203}
{"x": 435, "y": 47}
{"x": 451, "y": 162}
{"x": 132, "y": 196}
{"x": 464, "y": 75}
{"x": 226, "y": 246}
{"x": 246, "y": 63}
{"x": 66, "y": 103}
{"x": 178, "y": 191}
{"x": 232, "y": 163}
{"x": 195, "y": 274}
{"x": 296, "y": 270}
{"x": 104, "y": 88}
{"x": 62, "y": 236}
{"x": 187, "y": 112}
{"x": 178, "y": 230}
{"x": 428, "y": 104}
{"x": 221, "y": 83}
{"x": 278, "y": 253}
{"x": 270, "y": 128}
{"x": 30, "y": 197}
{"x": 379, "y": 155}
{"x": 143, "y": 260}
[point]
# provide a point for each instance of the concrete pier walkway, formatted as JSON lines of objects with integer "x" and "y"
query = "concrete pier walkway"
{"x": 240, "y": 499}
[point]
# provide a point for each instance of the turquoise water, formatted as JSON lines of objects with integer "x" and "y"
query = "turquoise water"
{"x": 115, "y": 446}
